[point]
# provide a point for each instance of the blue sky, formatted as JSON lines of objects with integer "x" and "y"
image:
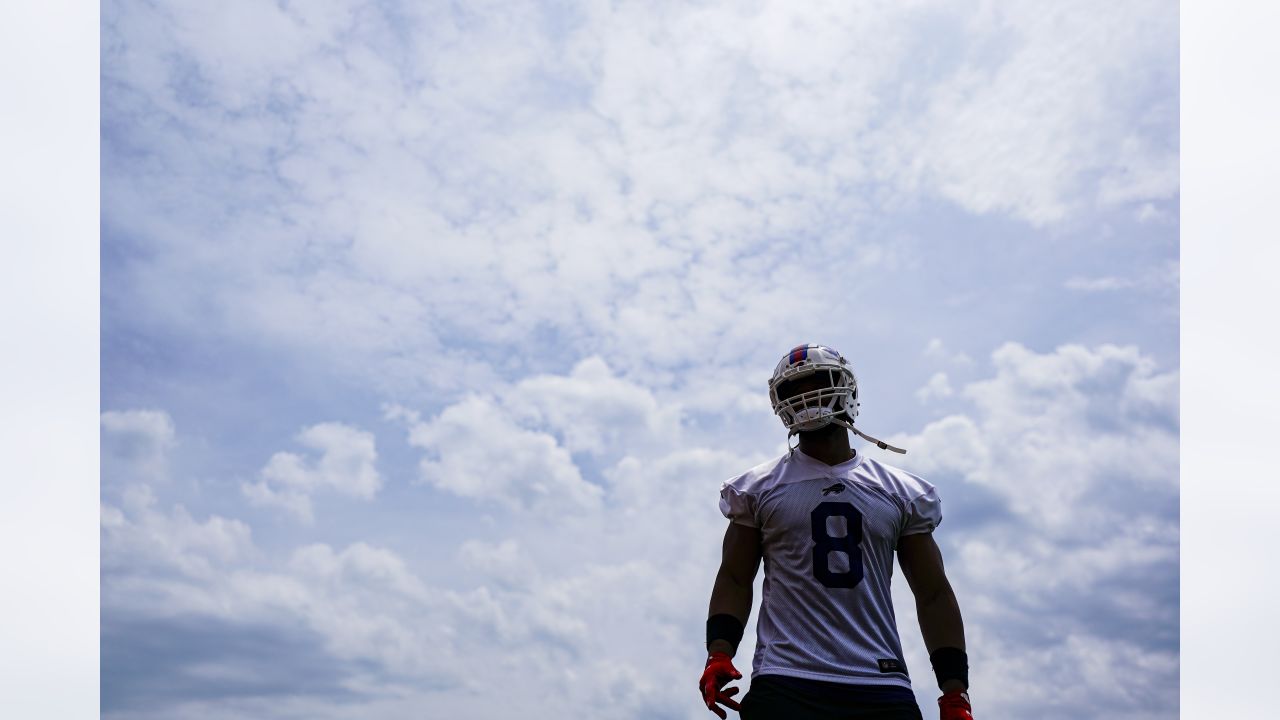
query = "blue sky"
{"x": 429, "y": 332}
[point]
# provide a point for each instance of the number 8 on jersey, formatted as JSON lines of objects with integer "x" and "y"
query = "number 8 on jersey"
{"x": 824, "y": 544}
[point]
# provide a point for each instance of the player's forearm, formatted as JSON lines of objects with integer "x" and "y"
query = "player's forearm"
{"x": 940, "y": 621}
{"x": 942, "y": 627}
{"x": 731, "y": 598}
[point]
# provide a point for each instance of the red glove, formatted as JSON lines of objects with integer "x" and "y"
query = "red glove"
{"x": 720, "y": 670}
{"x": 954, "y": 705}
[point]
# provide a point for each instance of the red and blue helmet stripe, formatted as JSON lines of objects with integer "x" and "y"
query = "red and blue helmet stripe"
{"x": 798, "y": 353}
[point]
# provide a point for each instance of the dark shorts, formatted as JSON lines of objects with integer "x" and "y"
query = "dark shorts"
{"x": 778, "y": 697}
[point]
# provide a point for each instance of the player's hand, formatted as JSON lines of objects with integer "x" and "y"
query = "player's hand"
{"x": 954, "y": 705}
{"x": 719, "y": 671}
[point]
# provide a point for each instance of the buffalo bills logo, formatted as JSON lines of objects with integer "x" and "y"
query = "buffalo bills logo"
{"x": 833, "y": 489}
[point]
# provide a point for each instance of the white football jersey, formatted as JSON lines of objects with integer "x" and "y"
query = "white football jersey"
{"x": 829, "y": 533}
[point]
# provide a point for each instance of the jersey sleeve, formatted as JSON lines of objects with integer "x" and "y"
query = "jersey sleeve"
{"x": 924, "y": 513}
{"x": 740, "y": 496}
{"x": 737, "y": 504}
{"x": 918, "y": 498}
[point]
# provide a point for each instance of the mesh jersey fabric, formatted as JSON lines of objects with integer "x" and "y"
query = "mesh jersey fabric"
{"x": 829, "y": 533}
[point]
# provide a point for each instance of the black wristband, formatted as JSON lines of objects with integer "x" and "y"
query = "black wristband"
{"x": 723, "y": 626}
{"x": 950, "y": 663}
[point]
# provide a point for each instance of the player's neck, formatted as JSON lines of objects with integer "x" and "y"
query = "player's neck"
{"x": 829, "y": 444}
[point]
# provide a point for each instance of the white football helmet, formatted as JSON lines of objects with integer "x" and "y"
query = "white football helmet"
{"x": 835, "y": 402}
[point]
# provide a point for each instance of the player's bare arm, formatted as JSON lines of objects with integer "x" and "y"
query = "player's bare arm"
{"x": 731, "y": 595}
{"x": 728, "y": 612}
{"x": 936, "y": 605}
{"x": 938, "y": 612}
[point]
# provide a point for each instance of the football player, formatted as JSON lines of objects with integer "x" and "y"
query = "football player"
{"x": 827, "y": 521}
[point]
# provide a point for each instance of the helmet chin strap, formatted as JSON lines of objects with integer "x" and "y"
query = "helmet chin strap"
{"x": 878, "y": 443}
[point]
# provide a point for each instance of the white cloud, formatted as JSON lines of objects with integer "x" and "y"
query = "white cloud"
{"x": 503, "y": 562}
{"x": 402, "y": 182}
{"x": 936, "y": 350}
{"x": 153, "y": 427}
{"x": 1078, "y": 448}
{"x": 545, "y": 617}
{"x": 476, "y": 450}
{"x": 361, "y": 601}
{"x": 1043, "y": 571}
{"x": 1064, "y": 430}
{"x": 359, "y": 565}
{"x": 1097, "y": 284}
{"x": 937, "y": 387}
{"x": 1163, "y": 277}
{"x": 953, "y": 444}
{"x": 1148, "y": 213}
{"x": 139, "y": 538}
{"x": 592, "y": 409}
{"x": 542, "y": 601}
{"x": 1091, "y": 662}
{"x": 1029, "y": 114}
{"x": 136, "y": 443}
{"x": 347, "y": 465}
{"x": 515, "y": 446}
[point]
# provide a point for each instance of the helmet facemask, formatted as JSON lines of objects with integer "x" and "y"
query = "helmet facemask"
{"x": 836, "y": 401}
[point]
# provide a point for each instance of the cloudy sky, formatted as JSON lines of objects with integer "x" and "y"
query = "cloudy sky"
{"x": 430, "y": 330}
